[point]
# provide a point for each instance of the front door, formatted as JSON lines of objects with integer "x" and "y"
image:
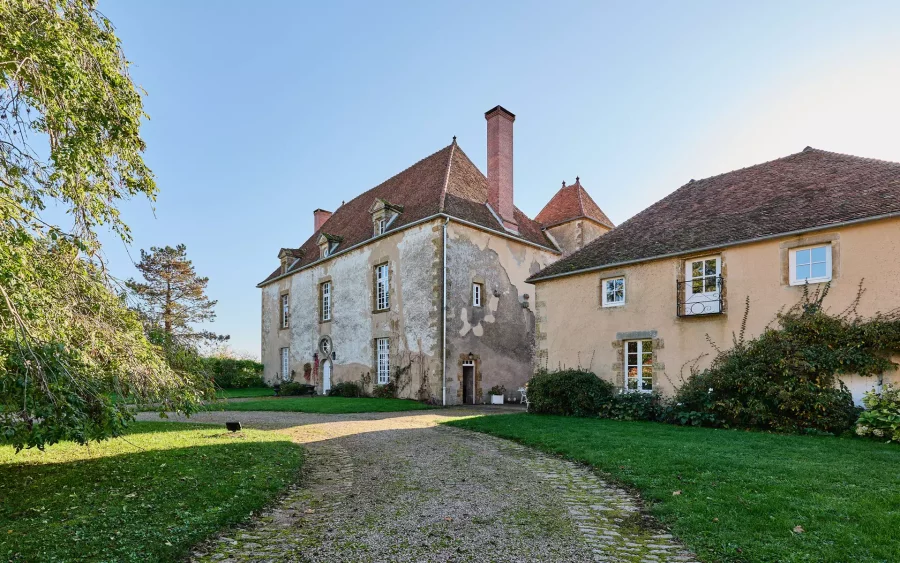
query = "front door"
{"x": 468, "y": 384}
{"x": 702, "y": 288}
{"x": 326, "y": 377}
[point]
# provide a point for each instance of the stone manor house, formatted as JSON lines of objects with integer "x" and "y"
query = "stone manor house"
{"x": 421, "y": 280}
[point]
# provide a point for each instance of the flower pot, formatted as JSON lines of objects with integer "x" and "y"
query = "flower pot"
{"x": 496, "y": 399}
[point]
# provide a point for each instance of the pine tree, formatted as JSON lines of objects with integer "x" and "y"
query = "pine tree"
{"x": 172, "y": 296}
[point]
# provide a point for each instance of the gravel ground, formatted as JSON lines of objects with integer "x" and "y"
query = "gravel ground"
{"x": 396, "y": 487}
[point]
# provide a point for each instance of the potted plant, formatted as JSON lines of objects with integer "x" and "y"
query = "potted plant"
{"x": 497, "y": 392}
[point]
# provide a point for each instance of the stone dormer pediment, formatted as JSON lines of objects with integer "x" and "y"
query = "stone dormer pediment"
{"x": 383, "y": 215}
{"x": 328, "y": 243}
{"x": 287, "y": 256}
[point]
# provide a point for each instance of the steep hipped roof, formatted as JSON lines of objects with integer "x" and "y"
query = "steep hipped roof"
{"x": 445, "y": 182}
{"x": 570, "y": 203}
{"x": 804, "y": 191}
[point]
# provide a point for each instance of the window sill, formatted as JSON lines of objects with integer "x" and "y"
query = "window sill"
{"x": 325, "y": 322}
{"x": 612, "y": 305}
{"x": 376, "y": 311}
{"x": 797, "y": 283}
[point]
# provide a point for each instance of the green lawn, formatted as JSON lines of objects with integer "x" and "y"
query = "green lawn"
{"x": 742, "y": 493}
{"x": 145, "y": 497}
{"x": 325, "y": 405}
{"x": 248, "y": 392}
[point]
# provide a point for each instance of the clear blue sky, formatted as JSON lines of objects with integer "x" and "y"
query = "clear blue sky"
{"x": 261, "y": 112}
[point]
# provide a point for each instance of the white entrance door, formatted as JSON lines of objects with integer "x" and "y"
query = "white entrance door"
{"x": 326, "y": 377}
{"x": 702, "y": 286}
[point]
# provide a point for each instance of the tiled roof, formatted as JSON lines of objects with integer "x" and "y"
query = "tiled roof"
{"x": 445, "y": 182}
{"x": 569, "y": 203}
{"x": 803, "y": 191}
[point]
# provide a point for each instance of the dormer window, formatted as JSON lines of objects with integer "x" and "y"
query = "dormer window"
{"x": 288, "y": 256}
{"x": 383, "y": 215}
{"x": 328, "y": 244}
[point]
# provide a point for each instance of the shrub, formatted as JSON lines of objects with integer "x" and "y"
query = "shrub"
{"x": 787, "y": 379}
{"x": 881, "y": 419}
{"x": 346, "y": 389}
{"x": 634, "y": 406}
{"x": 230, "y": 373}
{"x": 293, "y": 388}
{"x": 569, "y": 392}
{"x": 497, "y": 390}
{"x": 386, "y": 391}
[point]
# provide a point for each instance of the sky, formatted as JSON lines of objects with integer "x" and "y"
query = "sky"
{"x": 261, "y": 112}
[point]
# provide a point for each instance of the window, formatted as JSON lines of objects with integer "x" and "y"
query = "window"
{"x": 477, "y": 292}
{"x": 613, "y": 292}
{"x": 639, "y": 365}
{"x": 382, "y": 287}
{"x": 325, "y": 295}
{"x": 702, "y": 287}
{"x": 286, "y": 364}
{"x": 383, "y": 357}
{"x": 811, "y": 264}
{"x": 381, "y": 226}
{"x": 285, "y": 310}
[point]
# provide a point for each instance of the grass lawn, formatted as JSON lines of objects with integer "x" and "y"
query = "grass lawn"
{"x": 742, "y": 493}
{"x": 242, "y": 393}
{"x": 325, "y": 405}
{"x": 148, "y": 496}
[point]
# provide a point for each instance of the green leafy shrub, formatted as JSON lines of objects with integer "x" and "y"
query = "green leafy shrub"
{"x": 347, "y": 389}
{"x": 293, "y": 389}
{"x": 386, "y": 391}
{"x": 881, "y": 419}
{"x": 634, "y": 406}
{"x": 230, "y": 373}
{"x": 787, "y": 379}
{"x": 570, "y": 392}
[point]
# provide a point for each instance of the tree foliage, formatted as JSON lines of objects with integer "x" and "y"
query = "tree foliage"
{"x": 172, "y": 295}
{"x": 70, "y": 118}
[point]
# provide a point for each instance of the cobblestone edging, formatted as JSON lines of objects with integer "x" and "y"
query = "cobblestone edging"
{"x": 287, "y": 530}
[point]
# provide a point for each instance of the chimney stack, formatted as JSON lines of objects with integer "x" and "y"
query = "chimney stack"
{"x": 320, "y": 216}
{"x": 500, "y": 165}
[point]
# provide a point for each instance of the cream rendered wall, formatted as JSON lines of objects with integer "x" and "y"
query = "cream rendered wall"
{"x": 574, "y": 330}
{"x": 500, "y": 334}
{"x": 574, "y": 235}
{"x": 412, "y": 322}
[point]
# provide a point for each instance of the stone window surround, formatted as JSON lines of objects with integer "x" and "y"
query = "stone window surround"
{"x": 460, "y": 362}
{"x": 833, "y": 238}
{"x": 323, "y": 280}
{"x": 479, "y": 280}
{"x": 281, "y": 324}
{"x": 378, "y": 263}
{"x": 608, "y": 275}
{"x": 618, "y": 367}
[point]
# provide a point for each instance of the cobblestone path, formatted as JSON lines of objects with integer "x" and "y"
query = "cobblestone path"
{"x": 396, "y": 487}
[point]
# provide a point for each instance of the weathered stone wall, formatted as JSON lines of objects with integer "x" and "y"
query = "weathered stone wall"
{"x": 575, "y": 330}
{"x": 500, "y": 333}
{"x": 574, "y": 235}
{"x": 412, "y": 322}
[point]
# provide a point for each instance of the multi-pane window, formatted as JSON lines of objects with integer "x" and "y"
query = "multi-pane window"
{"x": 382, "y": 287}
{"x": 702, "y": 286}
{"x": 325, "y": 290}
{"x": 639, "y": 365}
{"x": 381, "y": 226}
{"x": 286, "y": 364}
{"x": 383, "y": 357}
{"x": 285, "y": 310}
{"x": 810, "y": 265}
{"x": 613, "y": 292}
{"x": 477, "y": 291}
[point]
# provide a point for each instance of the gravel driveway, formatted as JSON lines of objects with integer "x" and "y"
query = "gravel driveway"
{"x": 397, "y": 487}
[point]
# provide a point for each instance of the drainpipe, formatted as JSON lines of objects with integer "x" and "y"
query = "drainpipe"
{"x": 444, "y": 316}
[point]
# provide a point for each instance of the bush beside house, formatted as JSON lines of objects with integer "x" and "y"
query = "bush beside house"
{"x": 231, "y": 373}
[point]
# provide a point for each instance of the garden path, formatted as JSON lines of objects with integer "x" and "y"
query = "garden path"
{"x": 398, "y": 487}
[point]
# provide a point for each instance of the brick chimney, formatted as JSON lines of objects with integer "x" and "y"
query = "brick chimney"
{"x": 500, "y": 165}
{"x": 320, "y": 216}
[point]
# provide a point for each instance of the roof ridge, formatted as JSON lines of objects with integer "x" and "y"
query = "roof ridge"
{"x": 447, "y": 175}
{"x": 848, "y": 155}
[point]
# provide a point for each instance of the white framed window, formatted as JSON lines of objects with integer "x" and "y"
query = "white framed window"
{"x": 477, "y": 292}
{"x": 382, "y": 287}
{"x": 381, "y": 226}
{"x": 286, "y": 364}
{"x": 326, "y": 300}
{"x": 811, "y": 264}
{"x": 613, "y": 292}
{"x": 702, "y": 287}
{"x": 383, "y": 357}
{"x": 285, "y": 310}
{"x": 639, "y": 365}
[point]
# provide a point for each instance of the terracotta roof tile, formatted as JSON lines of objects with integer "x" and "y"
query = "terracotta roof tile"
{"x": 803, "y": 191}
{"x": 569, "y": 203}
{"x": 420, "y": 191}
